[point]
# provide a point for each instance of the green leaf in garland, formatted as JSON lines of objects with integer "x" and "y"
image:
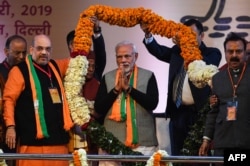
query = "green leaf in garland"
{"x": 108, "y": 142}
{"x": 194, "y": 139}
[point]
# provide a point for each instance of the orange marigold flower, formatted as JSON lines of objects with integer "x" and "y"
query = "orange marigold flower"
{"x": 130, "y": 17}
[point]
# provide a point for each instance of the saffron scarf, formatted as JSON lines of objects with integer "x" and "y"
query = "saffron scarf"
{"x": 38, "y": 100}
{"x": 123, "y": 109}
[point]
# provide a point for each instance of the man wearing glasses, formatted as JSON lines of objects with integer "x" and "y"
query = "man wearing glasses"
{"x": 35, "y": 107}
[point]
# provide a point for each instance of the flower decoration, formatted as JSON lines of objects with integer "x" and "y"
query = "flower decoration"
{"x": 130, "y": 17}
{"x": 77, "y": 70}
{"x": 200, "y": 74}
{"x": 193, "y": 141}
{"x": 73, "y": 81}
{"x": 155, "y": 159}
{"x": 79, "y": 158}
{"x": 106, "y": 141}
{"x": 2, "y": 161}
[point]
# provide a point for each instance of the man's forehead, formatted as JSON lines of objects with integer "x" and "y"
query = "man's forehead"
{"x": 17, "y": 41}
{"x": 125, "y": 49}
{"x": 237, "y": 43}
{"x": 42, "y": 40}
{"x": 42, "y": 44}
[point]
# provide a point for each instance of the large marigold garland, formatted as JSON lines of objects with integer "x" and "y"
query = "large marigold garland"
{"x": 129, "y": 17}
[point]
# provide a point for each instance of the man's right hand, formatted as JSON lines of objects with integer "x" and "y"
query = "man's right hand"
{"x": 213, "y": 100}
{"x": 95, "y": 21}
{"x": 204, "y": 148}
{"x": 11, "y": 137}
{"x": 145, "y": 29}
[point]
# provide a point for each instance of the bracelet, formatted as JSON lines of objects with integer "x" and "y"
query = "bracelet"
{"x": 98, "y": 30}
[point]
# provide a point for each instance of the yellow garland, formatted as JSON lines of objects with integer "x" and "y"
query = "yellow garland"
{"x": 130, "y": 17}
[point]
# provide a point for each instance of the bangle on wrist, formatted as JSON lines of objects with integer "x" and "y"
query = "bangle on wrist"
{"x": 98, "y": 30}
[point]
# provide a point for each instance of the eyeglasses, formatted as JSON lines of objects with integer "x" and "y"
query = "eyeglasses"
{"x": 239, "y": 51}
{"x": 40, "y": 49}
{"x": 119, "y": 57}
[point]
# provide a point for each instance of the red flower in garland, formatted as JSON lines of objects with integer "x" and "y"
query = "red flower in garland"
{"x": 86, "y": 125}
{"x": 76, "y": 53}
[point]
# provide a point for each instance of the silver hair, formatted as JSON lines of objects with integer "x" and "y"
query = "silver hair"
{"x": 125, "y": 43}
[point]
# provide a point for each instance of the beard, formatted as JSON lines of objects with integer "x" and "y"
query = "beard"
{"x": 127, "y": 70}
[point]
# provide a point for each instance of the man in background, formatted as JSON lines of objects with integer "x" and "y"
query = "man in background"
{"x": 183, "y": 112}
{"x": 15, "y": 51}
{"x": 227, "y": 122}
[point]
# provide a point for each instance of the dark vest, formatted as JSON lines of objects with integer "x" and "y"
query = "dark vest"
{"x": 25, "y": 116}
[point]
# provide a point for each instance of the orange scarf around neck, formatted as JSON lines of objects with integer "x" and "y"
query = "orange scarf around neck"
{"x": 38, "y": 101}
{"x": 124, "y": 109}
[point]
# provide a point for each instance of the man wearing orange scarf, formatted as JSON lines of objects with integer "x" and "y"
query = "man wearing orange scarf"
{"x": 35, "y": 108}
{"x": 127, "y": 97}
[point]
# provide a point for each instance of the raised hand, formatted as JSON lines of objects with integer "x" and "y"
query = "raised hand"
{"x": 96, "y": 22}
{"x": 145, "y": 29}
